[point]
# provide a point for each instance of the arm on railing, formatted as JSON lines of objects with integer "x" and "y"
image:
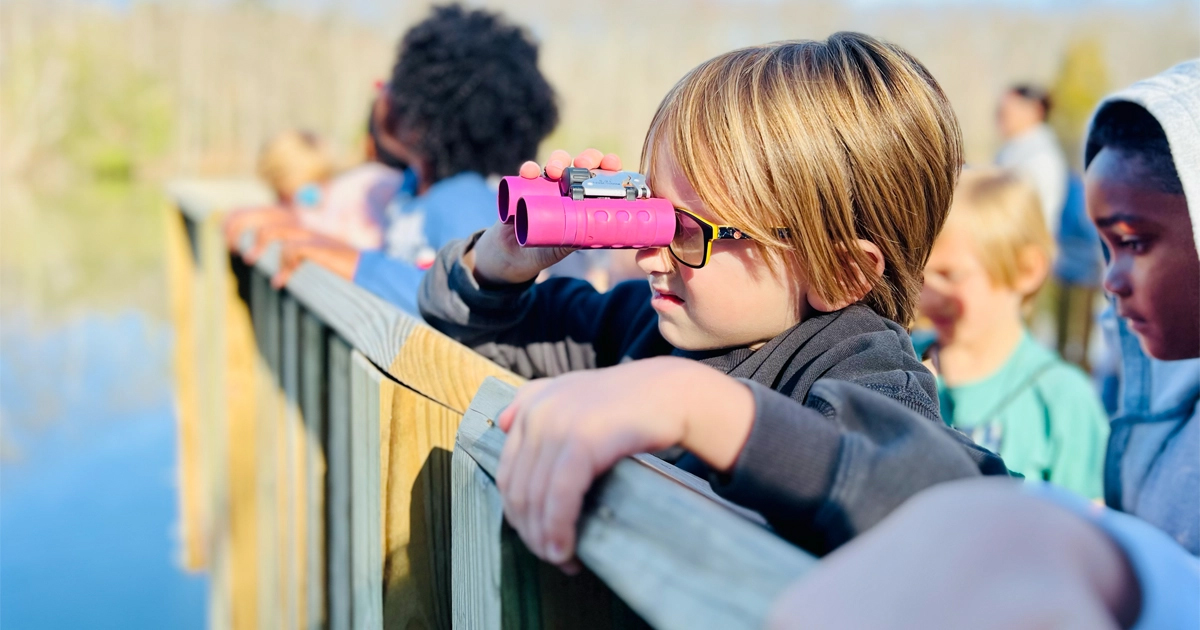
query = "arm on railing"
{"x": 675, "y": 556}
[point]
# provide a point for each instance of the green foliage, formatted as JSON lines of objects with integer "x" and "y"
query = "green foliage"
{"x": 1081, "y": 82}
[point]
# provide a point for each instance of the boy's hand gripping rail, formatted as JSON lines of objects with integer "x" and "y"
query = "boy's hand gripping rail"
{"x": 586, "y": 209}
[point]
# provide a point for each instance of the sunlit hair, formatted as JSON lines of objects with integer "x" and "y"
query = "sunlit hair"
{"x": 1003, "y": 216}
{"x": 292, "y": 159}
{"x": 835, "y": 140}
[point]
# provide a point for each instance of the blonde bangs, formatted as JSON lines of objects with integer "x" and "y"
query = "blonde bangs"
{"x": 835, "y": 141}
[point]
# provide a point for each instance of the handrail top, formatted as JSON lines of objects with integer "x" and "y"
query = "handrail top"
{"x": 397, "y": 342}
{"x": 199, "y": 198}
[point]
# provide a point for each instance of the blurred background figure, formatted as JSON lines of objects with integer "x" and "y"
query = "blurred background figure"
{"x": 995, "y": 383}
{"x": 102, "y": 102}
{"x": 1032, "y": 149}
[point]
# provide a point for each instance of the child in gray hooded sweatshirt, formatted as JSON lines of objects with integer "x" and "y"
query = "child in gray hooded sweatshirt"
{"x": 1143, "y": 193}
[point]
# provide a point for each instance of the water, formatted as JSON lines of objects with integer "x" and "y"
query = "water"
{"x": 88, "y": 512}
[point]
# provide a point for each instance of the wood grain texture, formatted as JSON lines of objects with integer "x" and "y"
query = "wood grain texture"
{"x": 371, "y": 395}
{"x": 475, "y": 545}
{"x": 417, "y": 512}
{"x": 641, "y": 534}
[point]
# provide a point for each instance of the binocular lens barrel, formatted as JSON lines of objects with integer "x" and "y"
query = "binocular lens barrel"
{"x": 546, "y": 218}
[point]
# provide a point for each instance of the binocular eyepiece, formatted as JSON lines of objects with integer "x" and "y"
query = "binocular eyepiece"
{"x": 586, "y": 209}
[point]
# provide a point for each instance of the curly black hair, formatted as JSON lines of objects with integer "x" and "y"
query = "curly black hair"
{"x": 466, "y": 93}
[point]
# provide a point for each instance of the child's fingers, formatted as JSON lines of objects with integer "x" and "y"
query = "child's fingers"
{"x": 531, "y": 170}
{"x": 570, "y": 479}
{"x": 281, "y": 277}
{"x": 590, "y": 158}
{"x": 539, "y": 468}
{"x": 558, "y": 161}
{"x": 610, "y": 162}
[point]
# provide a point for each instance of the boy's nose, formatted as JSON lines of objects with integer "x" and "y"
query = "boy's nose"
{"x": 655, "y": 260}
{"x": 1116, "y": 277}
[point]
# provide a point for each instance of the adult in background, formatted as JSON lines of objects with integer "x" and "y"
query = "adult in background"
{"x": 1032, "y": 151}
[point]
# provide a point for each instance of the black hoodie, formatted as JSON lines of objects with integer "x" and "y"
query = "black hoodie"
{"x": 846, "y": 420}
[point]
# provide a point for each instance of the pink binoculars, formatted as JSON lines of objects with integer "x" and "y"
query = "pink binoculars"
{"x": 586, "y": 209}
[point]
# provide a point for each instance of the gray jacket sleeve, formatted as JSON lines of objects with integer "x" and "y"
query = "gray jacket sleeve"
{"x": 535, "y": 330}
{"x": 824, "y": 472}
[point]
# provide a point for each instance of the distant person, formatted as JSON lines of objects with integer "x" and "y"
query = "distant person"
{"x": 995, "y": 383}
{"x": 349, "y": 207}
{"x": 293, "y": 164}
{"x": 466, "y": 100}
{"x": 1031, "y": 148}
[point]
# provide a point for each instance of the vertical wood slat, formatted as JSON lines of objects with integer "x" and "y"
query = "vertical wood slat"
{"x": 184, "y": 294}
{"x": 236, "y": 478}
{"x": 338, "y": 497}
{"x": 370, "y": 404}
{"x": 475, "y": 545}
{"x": 295, "y": 522}
{"x": 264, "y": 308}
{"x": 417, "y": 511}
{"x": 313, "y": 404}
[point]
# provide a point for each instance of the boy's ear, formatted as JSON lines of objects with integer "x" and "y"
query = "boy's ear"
{"x": 1033, "y": 267}
{"x": 862, "y": 286}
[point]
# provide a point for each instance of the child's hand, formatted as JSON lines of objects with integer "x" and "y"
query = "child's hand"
{"x": 239, "y": 221}
{"x": 566, "y": 431}
{"x": 559, "y": 160}
{"x": 498, "y": 258}
{"x": 268, "y": 234}
{"x": 333, "y": 255}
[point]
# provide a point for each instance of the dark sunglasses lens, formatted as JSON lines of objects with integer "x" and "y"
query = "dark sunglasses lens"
{"x": 688, "y": 244}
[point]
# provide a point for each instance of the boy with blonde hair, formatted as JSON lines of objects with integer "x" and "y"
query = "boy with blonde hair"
{"x": 995, "y": 383}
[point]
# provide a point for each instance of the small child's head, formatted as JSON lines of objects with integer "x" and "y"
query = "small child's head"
{"x": 292, "y": 160}
{"x": 837, "y": 158}
{"x": 466, "y": 95}
{"x": 990, "y": 259}
{"x": 1136, "y": 198}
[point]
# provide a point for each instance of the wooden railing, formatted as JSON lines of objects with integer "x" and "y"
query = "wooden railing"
{"x": 336, "y": 461}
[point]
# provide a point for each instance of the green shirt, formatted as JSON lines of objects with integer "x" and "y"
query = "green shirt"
{"x": 1040, "y": 414}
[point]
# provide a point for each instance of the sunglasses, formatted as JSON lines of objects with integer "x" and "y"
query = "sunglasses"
{"x": 694, "y": 236}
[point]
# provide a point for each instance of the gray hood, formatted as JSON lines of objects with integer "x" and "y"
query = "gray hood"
{"x": 1152, "y": 468}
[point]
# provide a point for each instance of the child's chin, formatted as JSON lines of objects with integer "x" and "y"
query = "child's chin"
{"x": 683, "y": 339}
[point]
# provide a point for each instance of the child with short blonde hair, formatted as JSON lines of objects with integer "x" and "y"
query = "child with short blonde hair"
{"x": 293, "y": 160}
{"x": 995, "y": 382}
{"x": 809, "y": 179}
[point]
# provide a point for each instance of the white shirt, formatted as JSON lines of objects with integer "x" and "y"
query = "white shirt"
{"x": 1037, "y": 158}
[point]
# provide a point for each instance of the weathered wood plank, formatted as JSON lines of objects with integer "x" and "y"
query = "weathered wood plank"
{"x": 389, "y": 337}
{"x": 370, "y": 407}
{"x": 294, "y": 454}
{"x": 417, "y": 512}
{"x": 264, "y": 309}
{"x": 238, "y": 386}
{"x": 475, "y": 547}
{"x": 338, "y": 488}
{"x": 198, "y": 199}
{"x": 195, "y": 517}
{"x": 313, "y": 344}
{"x": 642, "y": 531}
